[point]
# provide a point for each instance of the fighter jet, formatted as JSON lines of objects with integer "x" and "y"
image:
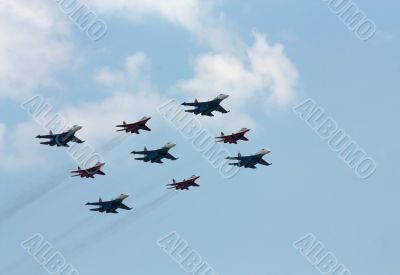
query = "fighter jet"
{"x": 185, "y": 184}
{"x": 135, "y": 127}
{"x": 234, "y": 138}
{"x": 156, "y": 155}
{"x": 251, "y": 161}
{"x": 90, "y": 172}
{"x": 207, "y": 108}
{"x": 110, "y": 206}
{"x": 62, "y": 139}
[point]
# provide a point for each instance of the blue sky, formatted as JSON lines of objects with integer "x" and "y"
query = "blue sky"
{"x": 269, "y": 56}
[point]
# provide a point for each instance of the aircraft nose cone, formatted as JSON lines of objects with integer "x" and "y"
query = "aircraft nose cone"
{"x": 170, "y": 145}
{"x": 77, "y": 127}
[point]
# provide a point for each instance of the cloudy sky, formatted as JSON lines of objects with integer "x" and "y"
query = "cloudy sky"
{"x": 269, "y": 56}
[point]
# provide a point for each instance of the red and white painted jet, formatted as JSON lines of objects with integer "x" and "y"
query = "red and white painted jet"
{"x": 185, "y": 184}
{"x": 234, "y": 138}
{"x": 90, "y": 172}
{"x": 135, "y": 127}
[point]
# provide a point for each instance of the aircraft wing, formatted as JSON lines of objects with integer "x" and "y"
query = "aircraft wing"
{"x": 263, "y": 162}
{"x": 77, "y": 140}
{"x": 221, "y": 110}
{"x": 123, "y": 206}
{"x": 101, "y": 173}
{"x": 146, "y": 128}
{"x": 171, "y": 157}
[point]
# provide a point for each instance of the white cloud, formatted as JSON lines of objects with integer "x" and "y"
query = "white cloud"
{"x": 18, "y": 148}
{"x": 260, "y": 72}
{"x": 33, "y": 49}
{"x": 264, "y": 75}
{"x": 99, "y": 118}
{"x": 32, "y": 46}
{"x": 125, "y": 102}
{"x": 132, "y": 97}
{"x": 196, "y": 16}
{"x": 135, "y": 74}
{"x": 186, "y": 13}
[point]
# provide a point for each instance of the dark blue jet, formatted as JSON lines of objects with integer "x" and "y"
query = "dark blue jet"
{"x": 156, "y": 155}
{"x": 250, "y": 161}
{"x": 110, "y": 206}
{"x": 207, "y": 108}
{"x": 62, "y": 139}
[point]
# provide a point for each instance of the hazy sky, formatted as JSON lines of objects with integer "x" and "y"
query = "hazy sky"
{"x": 269, "y": 56}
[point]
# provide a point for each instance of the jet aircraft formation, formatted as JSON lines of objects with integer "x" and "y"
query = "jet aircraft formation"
{"x": 157, "y": 155}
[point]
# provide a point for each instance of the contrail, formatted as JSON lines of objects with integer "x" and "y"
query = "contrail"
{"x": 109, "y": 229}
{"x": 31, "y": 196}
{"x": 55, "y": 180}
{"x": 19, "y": 263}
{"x": 72, "y": 229}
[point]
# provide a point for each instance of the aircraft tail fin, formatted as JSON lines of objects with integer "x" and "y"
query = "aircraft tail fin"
{"x": 100, "y": 200}
{"x": 50, "y": 132}
{"x": 196, "y": 101}
{"x": 124, "y": 122}
{"x": 145, "y": 149}
{"x": 173, "y": 181}
{"x": 239, "y": 155}
{"x": 222, "y": 134}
